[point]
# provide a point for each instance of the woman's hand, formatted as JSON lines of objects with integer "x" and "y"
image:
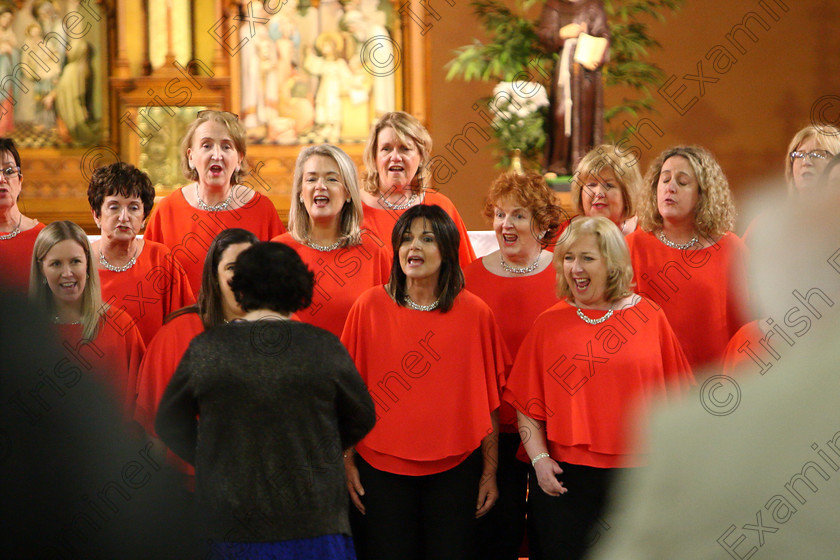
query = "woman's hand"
{"x": 354, "y": 483}
{"x": 547, "y": 471}
{"x": 488, "y": 493}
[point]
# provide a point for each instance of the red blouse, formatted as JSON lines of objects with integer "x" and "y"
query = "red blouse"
{"x": 16, "y": 259}
{"x": 702, "y": 292}
{"x": 590, "y": 383}
{"x": 433, "y": 378}
{"x": 162, "y": 358}
{"x": 150, "y": 290}
{"x": 114, "y": 355}
{"x": 515, "y": 302}
{"x": 381, "y": 222}
{"x": 188, "y": 231}
{"x": 340, "y": 276}
{"x": 752, "y": 351}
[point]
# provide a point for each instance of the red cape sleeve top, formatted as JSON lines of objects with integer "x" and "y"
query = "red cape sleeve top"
{"x": 588, "y": 383}
{"x": 16, "y": 260}
{"x": 114, "y": 355}
{"x": 188, "y": 231}
{"x": 751, "y": 351}
{"x": 515, "y": 302}
{"x": 433, "y": 378}
{"x": 340, "y": 277}
{"x": 160, "y": 361}
{"x": 159, "y": 364}
{"x": 381, "y": 222}
{"x": 148, "y": 291}
{"x": 702, "y": 292}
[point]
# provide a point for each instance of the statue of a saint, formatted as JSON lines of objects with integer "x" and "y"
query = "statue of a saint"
{"x": 577, "y": 30}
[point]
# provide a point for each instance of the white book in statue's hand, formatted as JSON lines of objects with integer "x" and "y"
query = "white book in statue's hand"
{"x": 590, "y": 50}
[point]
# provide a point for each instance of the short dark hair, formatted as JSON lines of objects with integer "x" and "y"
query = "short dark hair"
{"x": 120, "y": 179}
{"x": 8, "y": 145}
{"x": 451, "y": 278}
{"x": 271, "y": 276}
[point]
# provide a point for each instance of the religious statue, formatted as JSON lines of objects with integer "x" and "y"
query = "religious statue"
{"x": 578, "y": 31}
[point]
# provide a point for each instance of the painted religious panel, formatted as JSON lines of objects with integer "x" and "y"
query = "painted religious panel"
{"x": 309, "y": 72}
{"x": 52, "y": 66}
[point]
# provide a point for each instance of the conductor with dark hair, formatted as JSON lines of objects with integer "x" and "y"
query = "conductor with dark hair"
{"x": 279, "y": 402}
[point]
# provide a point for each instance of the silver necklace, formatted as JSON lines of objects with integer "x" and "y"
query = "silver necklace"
{"x": 323, "y": 248}
{"x": 417, "y": 307}
{"x": 223, "y": 205}
{"x": 14, "y": 233}
{"x": 673, "y": 245}
{"x": 406, "y": 205}
{"x": 586, "y": 319}
{"x": 108, "y": 266}
{"x": 57, "y": 321}
{"x": 514, "y": 270}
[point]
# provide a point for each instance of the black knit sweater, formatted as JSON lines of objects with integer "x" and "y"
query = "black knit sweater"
{"x": 278, "y": 403}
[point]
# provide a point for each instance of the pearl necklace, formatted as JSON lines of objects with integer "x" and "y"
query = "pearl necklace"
{"x": 406, "y": 205}
{"x": 323, "y": 248}
{"x": 223, "y": 205}
{"x": 594, "y": 321}
{"x": 14, "y": 233}
{"x": 417, "y": 307}
{"x": 673, "y": 245}
{"x": 514, "y": 270}
{"x": 108, "y": 266}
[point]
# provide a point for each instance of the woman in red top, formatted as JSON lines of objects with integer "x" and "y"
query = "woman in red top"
{"x": 685, "y": 258}
{"x": 216, "y": 306}
{"x": 524, "y": 218}
{"x": 64, "y": 281}
{"x": 137, "y": 276}
{"x": 431, "y": 356}
{"x": 17, "y": 232}
{"x": 587, "y": 368}
{"x": 324, "y": 229}
{"x": 213, "y": 156}
{"x": 396, "y": 155}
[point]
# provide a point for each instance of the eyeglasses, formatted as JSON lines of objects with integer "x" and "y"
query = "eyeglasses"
{"x": 206, "y": 113}
{"x": 12, "y": 171}
{"x": 813, "y": 154}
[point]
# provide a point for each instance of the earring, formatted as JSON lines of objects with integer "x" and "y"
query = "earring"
{"x": 191, "y": 165}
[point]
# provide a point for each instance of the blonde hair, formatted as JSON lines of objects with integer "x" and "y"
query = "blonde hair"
{"x": 827, "y": 136}
{"x": 351, "y": 215}
{"x": 407, "y": 128}
{"x": 714, "y": 214}
{"x": 613, "y": 249}
{"x": 39, "y": 289}
{"x": 237, "y": 134}
{"x": 624, "y": 168}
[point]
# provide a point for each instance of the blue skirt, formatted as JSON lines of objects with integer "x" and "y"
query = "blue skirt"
{"x": 327, "y": 547}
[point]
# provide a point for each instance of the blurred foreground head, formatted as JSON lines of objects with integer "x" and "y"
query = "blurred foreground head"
{"x": 75, "y": 483}
{"x": 750, "y": 466}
